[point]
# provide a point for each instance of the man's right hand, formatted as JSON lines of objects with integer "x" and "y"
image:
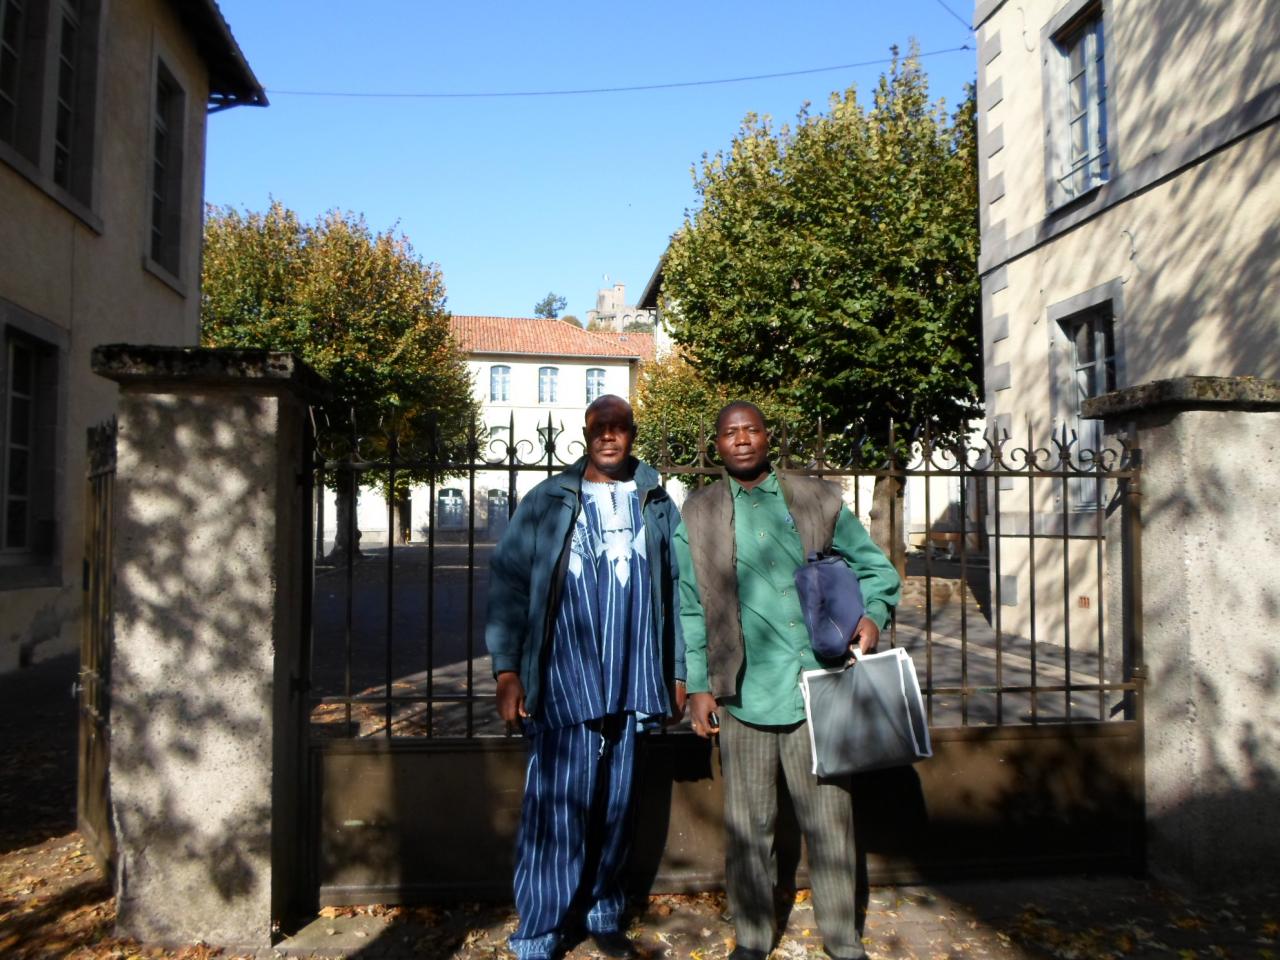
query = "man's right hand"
{"x": 510, "y": 698}
{"x": 701, "y": 708}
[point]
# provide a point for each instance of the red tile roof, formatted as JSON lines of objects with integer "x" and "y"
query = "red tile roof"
{"x": 548, "y": 338}
{"x": 642, "y": 343}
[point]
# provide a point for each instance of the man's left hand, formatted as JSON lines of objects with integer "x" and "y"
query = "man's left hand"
{"x": 866, "y": 635}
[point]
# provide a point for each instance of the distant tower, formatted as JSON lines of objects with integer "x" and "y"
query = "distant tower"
{"x": 612, "y": 311}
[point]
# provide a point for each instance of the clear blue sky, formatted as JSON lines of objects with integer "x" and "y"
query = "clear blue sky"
{"x": 517, "y": 196}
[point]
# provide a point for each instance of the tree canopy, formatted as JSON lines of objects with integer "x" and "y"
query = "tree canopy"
{"x": 676, "y": 408}
{"x": 549, "y": 306}
{"x": 362, "y": 308}
{"x": 833, "y": 263}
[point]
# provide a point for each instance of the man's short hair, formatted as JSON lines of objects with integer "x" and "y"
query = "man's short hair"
{"x": 609, "y": 400}
{"x": 733, "y": 405}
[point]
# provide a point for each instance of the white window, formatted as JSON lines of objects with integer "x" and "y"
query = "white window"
{"x": 1076, "y": 98}
{"x": 595, "y": 383}
{"x": 48, "y": 81}
{"x": 499, "y": 383}
{"x": 168, "y": 124}
{"x": 547, "y": 384}
{"x": 1089, "y": 338}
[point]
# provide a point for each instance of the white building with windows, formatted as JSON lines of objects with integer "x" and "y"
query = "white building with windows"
{"x": 1130, "y": 213}
{"x": 533, "y": 379}
{"x": 103, "y": 109}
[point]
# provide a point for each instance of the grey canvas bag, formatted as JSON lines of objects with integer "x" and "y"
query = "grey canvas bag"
{"x": 867, "y": 716}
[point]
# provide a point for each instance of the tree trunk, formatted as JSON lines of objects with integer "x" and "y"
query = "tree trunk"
{"x": 887, "y": 521}
{"x": 347, "y": 534}
{"x": 402, "y": 518}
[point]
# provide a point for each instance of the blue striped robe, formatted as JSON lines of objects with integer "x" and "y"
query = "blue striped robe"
{"x": 602, "y": 672}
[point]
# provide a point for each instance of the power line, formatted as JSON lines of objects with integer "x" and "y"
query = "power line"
{"x": 963, "y": 21}
{"x": 595, "y": 90}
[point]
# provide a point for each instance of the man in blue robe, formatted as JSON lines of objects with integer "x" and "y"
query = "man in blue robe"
{"x": 583, "y": 629}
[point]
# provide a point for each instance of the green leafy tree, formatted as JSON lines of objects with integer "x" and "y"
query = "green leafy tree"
{"x": 549, "y": 306}
{"x": 362, "y": 308}
{"x": 676, "y": 411}
{"x": 834, "y": 263}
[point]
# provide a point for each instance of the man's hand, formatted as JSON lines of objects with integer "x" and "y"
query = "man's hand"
{"x": 511, "y": 698}
{"x": 866, "y": 635}
{"x": 679, "y": 696}
{"x": 701, "y": 707}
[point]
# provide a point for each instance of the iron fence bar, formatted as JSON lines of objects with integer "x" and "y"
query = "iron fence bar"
{"x": 1066, "y": 590}
{"x": 971, "y": 689}
{"x": 997, "y": 606}
{"x": 1042, "y": 688}
{"x": 1136, "y": 668}
{"x": 1100, "y": 578}
{"x": 379, "y": 698}
{"x": 1031, "y": 578}
{"x": 433, "y": 518}
{"x": 472, "y": 449}
{"x": 549, "y": 448}
{"x": 893, "y": 518}
{"x": 928, "y": 582}
{"x": 896, "y": 472}
{"x": 714, "y": 471}
{"x": 349, "y": 550}
{"x": 309, "y": 495}
{"x": 393, "y": 447}
{"x": 964, "y": 620}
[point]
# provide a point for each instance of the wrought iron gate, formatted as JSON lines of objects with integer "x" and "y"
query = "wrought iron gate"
{"x": 1027, "y": 642}
{"x": 93, "y": 810}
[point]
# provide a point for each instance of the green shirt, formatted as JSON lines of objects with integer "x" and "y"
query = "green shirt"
{"x": 775, "y": 639}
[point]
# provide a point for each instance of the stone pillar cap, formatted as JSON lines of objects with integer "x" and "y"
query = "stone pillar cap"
{"x": 127, "y": 363}
{"x": 1186, "y": 393}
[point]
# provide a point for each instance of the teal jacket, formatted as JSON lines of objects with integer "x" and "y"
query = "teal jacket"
{"x": 528, "y": 569}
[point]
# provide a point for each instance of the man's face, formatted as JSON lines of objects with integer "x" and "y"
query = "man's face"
{"x": 743, "y": 443}
{"x": 610, "y": 432}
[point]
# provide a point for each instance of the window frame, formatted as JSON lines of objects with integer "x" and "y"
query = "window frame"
{"x": 1083, "y": 21}
{"x": 602, "y": 376}
{"x": 1103, "y": 302}
{"x": 494, "y": 370}
{"x": 166, "y": 186}
{"x": 36, "y": 563}
{"x": 548, "y": 384}
{"x": 58, "y": 150}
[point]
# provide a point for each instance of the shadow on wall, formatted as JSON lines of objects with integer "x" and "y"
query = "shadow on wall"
{"x": 206, "y": 628}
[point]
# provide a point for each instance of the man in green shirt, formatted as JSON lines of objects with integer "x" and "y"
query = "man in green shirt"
{"x": 738, "y": 547}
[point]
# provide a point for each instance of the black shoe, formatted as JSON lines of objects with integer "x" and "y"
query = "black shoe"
{"x": 746, "y": 953}
{"x": 614, "y": 943}
{"x": 836, "y": 956}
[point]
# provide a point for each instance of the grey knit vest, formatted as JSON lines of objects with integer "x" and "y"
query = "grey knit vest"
{"x": 708, "y": 517}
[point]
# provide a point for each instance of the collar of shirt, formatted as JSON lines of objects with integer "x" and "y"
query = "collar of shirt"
{"x": 768, "y": 485}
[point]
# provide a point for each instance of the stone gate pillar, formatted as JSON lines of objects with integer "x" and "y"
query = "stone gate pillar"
{"x": 1210, "y": 581}
{"x": 205, "y": 706}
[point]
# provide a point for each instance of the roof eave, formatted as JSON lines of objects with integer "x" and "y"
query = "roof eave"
{"x": 649, "y": 296}
{"x": 232, "y": 82}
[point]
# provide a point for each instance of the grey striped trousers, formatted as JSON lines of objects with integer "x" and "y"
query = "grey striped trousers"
{"x": 752, "y": 758}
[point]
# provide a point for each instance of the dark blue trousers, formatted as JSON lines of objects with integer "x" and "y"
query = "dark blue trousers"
{"x": 574, "y": 831}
